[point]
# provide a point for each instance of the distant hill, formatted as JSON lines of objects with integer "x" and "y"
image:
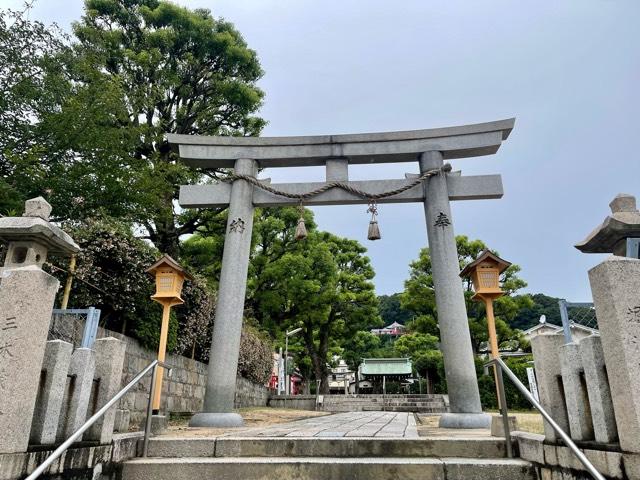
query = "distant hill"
{"x": 390, "y": 309}
{"x": 544, "y": 305}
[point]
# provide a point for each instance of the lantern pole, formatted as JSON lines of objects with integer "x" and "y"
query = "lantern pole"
{"x": 68, "y": 283}
{"x": 491, "y": 325}
{"x": 493, "y": 339}
{"x": 169, "y": 276}
{"x": 162, "y": 350}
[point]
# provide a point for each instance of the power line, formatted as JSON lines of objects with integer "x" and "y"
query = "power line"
{"x": 60, "y": 269}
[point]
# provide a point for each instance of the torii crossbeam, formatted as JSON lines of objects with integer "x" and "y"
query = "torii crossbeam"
{"x": 428, "y": 147}
{"x": 480, "y": 187}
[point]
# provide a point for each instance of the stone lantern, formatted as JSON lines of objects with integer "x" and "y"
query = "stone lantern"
{"x": 619, "y": 233}
{"x": 170, "y": 277}
{"x": 27, "y": 294}
{"x": 31, "y": 237}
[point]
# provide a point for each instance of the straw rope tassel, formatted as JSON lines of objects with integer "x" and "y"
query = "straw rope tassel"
{"x": 301, "y": 228}
{"x": 374, "y": 229}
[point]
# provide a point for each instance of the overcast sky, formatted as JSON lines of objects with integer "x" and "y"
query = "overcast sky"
{"x": 568, "y": 71}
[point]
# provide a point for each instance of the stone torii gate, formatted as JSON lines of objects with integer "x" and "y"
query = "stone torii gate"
{"x": 430, "y": 148}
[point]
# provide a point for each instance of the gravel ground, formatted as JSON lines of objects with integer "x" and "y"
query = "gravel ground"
{"x": 253, "y": 417}
{"x": 527, "y": 422}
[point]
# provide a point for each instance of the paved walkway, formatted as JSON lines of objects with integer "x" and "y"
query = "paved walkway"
{"x": 352, "y": 424}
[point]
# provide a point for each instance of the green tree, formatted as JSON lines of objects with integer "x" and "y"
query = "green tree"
{"x": 27, "y": 50}
{"x": 322, "y": 284}
{"x": 411, "y": 344}
{"x": 362, "y": 344}
{"x": 182, "y": 71}
{"x": 419, "y": 298}
{"x": 96, "y": 110}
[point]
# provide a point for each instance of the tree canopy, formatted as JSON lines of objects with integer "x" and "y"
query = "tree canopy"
{"x": 83, "y": 120}
{"x": 529, "y": 316}
{"x": 87, "y": 115}
{"x": 322, "y": 284}
{"x": 419, "y": 298}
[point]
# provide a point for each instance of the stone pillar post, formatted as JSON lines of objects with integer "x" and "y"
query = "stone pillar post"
{"x": 55, "y": 364}
{"x": 595, "y": 372}
{"x": 615, "y": 284}
{"x": 217, "y": 410}
{"x": 546, "y": 355}
{"x": 76, "y": 400}
{"x": 575, "y": 392}
{"x": 26, "y": 298}
{"x": 109, "y": 358}
{"x": 455, "y": 340}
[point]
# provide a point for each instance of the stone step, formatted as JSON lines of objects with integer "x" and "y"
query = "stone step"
{"x": 394, "y": 395}
{"x": 388, "y": 402}
{"x": 427, "y": 398}
{"x": 314, "y": 468}
{"x": 428, "y": 403}
{"x": 409, "y": 408}
{"x": 468, "y": 447}
{"x": 379, "y": 408}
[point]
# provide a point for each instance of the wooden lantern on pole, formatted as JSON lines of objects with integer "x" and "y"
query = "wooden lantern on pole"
{"x": 170, "y": 277}
{"x": 485, "y": 275}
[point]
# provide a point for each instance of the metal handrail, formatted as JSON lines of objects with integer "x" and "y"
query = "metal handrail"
{"x": 500, "y": 366}
{"x": 153, "y": 366}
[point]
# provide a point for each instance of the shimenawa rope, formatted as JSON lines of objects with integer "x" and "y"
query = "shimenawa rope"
{"x": 374, "y": 231}
{"x": 341, "y": 185}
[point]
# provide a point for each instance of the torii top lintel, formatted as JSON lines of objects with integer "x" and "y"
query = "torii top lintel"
{"x": 387, "y": 147}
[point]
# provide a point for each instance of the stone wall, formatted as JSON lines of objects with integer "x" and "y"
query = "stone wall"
{"x": 183, "y": 389}
{"x": 299, "y": 402}
{"x": 80, "y": 462}
{"x": 558, "y": 461}
{"x": 250, "y": 394}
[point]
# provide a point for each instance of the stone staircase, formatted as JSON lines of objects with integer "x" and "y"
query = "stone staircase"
{"x": 427, "y": 403}
{"x": 317, "y": 458}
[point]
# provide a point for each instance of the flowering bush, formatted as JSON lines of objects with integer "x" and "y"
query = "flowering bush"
{"x": 196, "y": 320}
{"x": 256, "y": 358}
{"x": 111, "y": 275}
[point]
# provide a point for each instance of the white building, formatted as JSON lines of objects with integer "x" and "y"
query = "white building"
{"x": 341, "y": 377}
{"x": 578, "y": 331}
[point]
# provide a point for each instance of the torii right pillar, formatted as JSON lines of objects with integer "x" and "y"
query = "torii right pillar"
{"x": 465, "y": 410}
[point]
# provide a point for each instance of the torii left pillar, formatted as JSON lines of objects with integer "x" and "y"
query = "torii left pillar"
{"x": 219, "y": 396}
